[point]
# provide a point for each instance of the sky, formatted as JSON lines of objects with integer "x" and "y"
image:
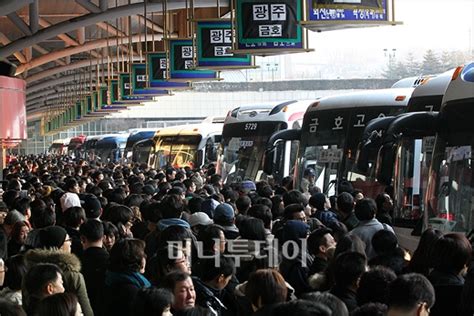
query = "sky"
{"x": 439, "y": 25}
{"x": 435, "y": 24}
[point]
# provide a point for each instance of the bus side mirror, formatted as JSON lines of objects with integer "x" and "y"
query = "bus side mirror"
{"x": 268, "y": 161}
{"x": 385, "y": 163}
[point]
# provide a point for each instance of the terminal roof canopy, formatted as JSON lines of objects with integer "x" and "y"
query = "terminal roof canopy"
{"x": 53, "y": 43}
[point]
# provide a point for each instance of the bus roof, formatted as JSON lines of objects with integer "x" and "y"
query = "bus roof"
{"x": 434, "y": 85}
{"x": 263, "y": 111}
{"x": 203, "y": 129}
{"x": 112, "y": 137}
{"x": 412, "y": 82}
{"x": 62, "y": 141}
{"x": 461, "y": 86}
{"x": 139, "y": 130}
{"x": 367, "y": 98}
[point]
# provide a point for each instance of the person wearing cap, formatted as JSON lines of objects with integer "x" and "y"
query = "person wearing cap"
{"x": 246, "y": 187}
{"x": 199, "y": 220}
{"x": 56, "y": 249}
{"x": 320, "y": 245}
{"x": 91, "y": 205}
{"x": 224, "y": 215}
{"x": 308, "y": 181}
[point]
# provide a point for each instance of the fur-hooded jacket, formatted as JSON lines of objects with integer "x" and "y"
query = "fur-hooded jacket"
{"x": 71, "y": 268}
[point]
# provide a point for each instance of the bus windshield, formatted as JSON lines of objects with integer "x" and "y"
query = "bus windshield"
{"x": 106, "y": 151}
{"x": 329, "y": 144}
{"x": 243, "y": 146}
{"x": 141, "y": 151}
{"x": 177, "y": 151}
{"x": 450, "y": 196}
{"x": 450, "y": 192}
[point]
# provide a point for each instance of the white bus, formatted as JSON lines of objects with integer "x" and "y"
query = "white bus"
{"x": 449, "y": 199}
{"x": 59, "y": 146}
{"x": 332, "y": 129}
{"x": 192, "y": 145}
{"x": 405, "y": 156}
{"x": 247, "y": 129}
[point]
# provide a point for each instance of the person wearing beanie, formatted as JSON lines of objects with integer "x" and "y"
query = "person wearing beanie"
{"x": 55, "y": 237}
{"x": 91, "y": 205}
{"x": 56, "y": 249}
{"x": 224, "y": 215}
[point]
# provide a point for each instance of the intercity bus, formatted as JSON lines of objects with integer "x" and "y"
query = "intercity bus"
{"x": 111, "y": 147}
{"x": 449, "y": 200}
{"x": 192, "y": 145}
{"x": 331, "y": 131}
{"x": 141, "y": 152}
{"x": 247, "y": 129}
{"x": 405, "y": 155}
{"x": 59, "y": 146}
{"x": 74, "y": 147}
{"x": 137, "y": 135}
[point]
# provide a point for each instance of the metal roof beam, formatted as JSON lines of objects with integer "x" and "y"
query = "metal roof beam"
{"x": 20, "y": 24}
{"x": 89, "y": 19}
{"x": 72, "y": 66}
{"x": 43, "y": 85}
{"x": 89, "y": 6}
{"x": 44, "y": 51}
{"x": 5, "y": 41}
{"x": 68, "y": 40}
{"x": 81, "y": 35}
{"x": 88, "y": 46}
{"x": 34, "y": 16}
{"x": 10, "y": 6}
{"x": 104, "y": 5}
{"x": 150, "y": 24}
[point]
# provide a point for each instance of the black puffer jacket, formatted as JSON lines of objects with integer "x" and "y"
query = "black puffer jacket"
{"x": 219, "y": 302}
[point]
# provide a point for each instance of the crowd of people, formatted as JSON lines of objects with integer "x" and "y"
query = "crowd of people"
{"x": 89, "y": 238}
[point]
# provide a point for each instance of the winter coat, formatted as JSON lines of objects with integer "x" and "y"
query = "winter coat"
{"x": 448, "y": 288}
{"x": 296, "y": 272}
{"x": 94, "y": 263}
{"x": 219, "y": 302}
{"x": 120, "y": 291}
{"x": 71, "y": 268}
{"x": 366, "y": 230}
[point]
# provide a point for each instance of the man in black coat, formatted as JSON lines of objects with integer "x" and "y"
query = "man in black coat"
{"x": 94, "y": 260}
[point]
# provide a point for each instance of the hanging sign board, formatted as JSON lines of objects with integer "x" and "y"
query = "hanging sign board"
{"x": 104, "y": 107}
{"x": 139, "y": 82}
{"x": 79, "y": 109}
{"x": 125, "y": 91}
{"x": 213, "y": 47}
{"x": 269, "y": 27}
{"x": 182, "y": 66}
{"x": 113, "y": 93}
{"x": 157, "y": 73}
{"x": 325, "y": 15}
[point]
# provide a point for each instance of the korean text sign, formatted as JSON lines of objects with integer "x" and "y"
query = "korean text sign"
{"x": 268, "y": 24}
